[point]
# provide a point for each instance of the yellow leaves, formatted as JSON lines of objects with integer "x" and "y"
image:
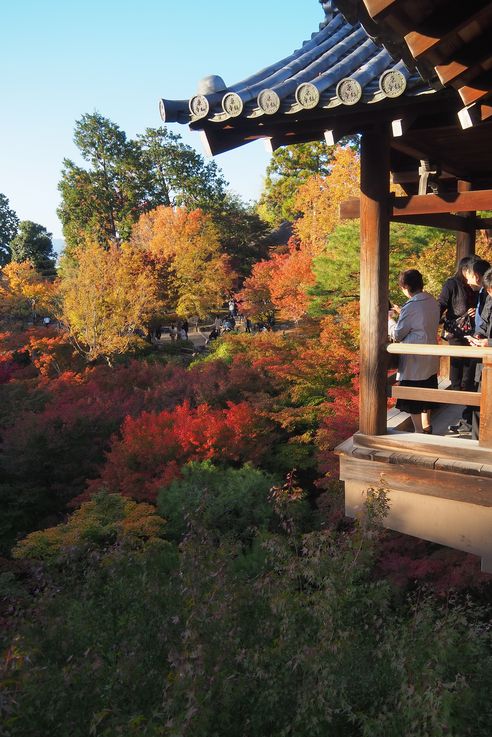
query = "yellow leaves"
{"x": 188, "y": 242}
{"x": 107, "y": 518}
{"x": 107, "y": 296}
{"x": 23, "y": 290}
{"x": 319, "y": 199}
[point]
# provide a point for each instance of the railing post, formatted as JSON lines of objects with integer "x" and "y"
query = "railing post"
{"x": 485, "y": 436}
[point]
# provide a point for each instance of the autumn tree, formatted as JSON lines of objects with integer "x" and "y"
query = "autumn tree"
{"x": 34, "y": 243}
{"x": 107, "y": 296}
{"x": 255, "y": 297}
{"x": 289, "y": 168}
{"x": 292, "y": 274}
{"x": 24, "y": 292}
{"x": 9, "y": 223}
{"x": 186, "y": 245}
{"x": 318, "y": 199}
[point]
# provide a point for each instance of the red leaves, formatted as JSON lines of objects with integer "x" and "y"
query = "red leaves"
{"x": 154, "y": 446}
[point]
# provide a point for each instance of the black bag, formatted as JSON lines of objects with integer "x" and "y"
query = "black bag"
{"x": 458, "y": 328}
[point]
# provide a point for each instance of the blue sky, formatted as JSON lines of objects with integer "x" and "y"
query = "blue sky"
{"x": 60, "y": 60}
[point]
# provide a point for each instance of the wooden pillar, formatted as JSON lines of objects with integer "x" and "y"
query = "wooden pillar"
{"x": 485, "y": 435}
{"x": 374, "y": 274}
{"x": 465, "y": 242}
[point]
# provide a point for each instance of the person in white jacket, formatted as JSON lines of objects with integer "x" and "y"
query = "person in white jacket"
{"x": 418, "y": 322}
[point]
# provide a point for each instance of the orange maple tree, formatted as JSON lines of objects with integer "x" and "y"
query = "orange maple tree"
{"x": 199, "y": 275}
{"x": 319, "y": 198}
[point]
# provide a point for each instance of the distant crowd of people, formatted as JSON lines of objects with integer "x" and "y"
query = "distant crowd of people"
{"x": 464, "y": 311}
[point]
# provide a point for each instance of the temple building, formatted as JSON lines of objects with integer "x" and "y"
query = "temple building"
{"x": 414, "y": 79}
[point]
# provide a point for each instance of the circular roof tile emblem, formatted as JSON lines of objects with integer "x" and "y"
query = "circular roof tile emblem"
{"x": 269, "y": 102}
{"x": 232, "y": 104}
{"x": 392, "y": 83}
{"x": 199, "y": 106}
{"x": 349, "y": 91}
{"x": 307, "y": 95}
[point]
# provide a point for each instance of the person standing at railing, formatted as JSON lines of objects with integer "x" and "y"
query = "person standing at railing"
{"x": 461, "y": 304}
{"x": 482, "y": 338}
{"x": 418, "y": 322}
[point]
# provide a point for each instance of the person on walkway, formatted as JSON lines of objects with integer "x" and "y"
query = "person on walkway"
{"x": 185, "y": 326}
{"x": 173, "y": 332}
{"x": 248, "y": 325}
{"x": 418, "y": 322}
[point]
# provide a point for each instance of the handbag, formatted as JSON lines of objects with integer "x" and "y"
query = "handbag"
{"x": 457, "y": 328}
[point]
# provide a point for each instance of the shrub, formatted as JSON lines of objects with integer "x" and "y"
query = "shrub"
{"x": 105, "y": 520}
{"x": 302, "y": 643}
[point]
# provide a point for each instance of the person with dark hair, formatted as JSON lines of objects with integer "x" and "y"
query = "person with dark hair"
{"x": 482, "y": 338}
{"x": 417, "y": 323}
{"x": 458, "y": 306}
{"x": 474, "y": 277}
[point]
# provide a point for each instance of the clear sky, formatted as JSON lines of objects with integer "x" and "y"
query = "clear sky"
{"x": 60, "y": 60}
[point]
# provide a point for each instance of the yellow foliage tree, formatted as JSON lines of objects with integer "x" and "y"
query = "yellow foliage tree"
{"x": 199, "y": 275}
{"x": 319, "y": 198}
{"x": 24, "y": 292}
{"x": 106, "y": 296}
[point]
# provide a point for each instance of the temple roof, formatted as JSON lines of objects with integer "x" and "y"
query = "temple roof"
{"x": 339, "y": 69}
{"x": 402, "y": 64}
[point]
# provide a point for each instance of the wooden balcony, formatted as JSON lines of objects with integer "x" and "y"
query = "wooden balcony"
{"x": 439, "y": 487}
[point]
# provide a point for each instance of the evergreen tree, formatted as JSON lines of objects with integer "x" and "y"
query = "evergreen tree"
{"x": 34, "y": 243}
{"x": 9, "y": 223}
{"x": 126, "y": 178}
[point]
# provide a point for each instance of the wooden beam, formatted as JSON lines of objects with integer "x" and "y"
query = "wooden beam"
{"x": 412, "y": 175}
{"x": 483, "y": 223}
{"x": 444, "y": 221}
{"x": 428, "y": 204}
{"x": 350, "y": 210}
{"x": 440, "y": 396}
{"x": 374, "y": 275}
{"x": 434, "y": 349}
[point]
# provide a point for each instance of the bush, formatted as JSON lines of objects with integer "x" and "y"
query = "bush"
{"x": 105, "y": 520}
{"x": 226, "y": 501}
{"x": 196, "y": 643}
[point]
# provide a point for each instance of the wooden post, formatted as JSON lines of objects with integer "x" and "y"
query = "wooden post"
{"x": 374, "y": 274}
{"x": 485, "y": 436}
{"x": 465, "y": 242}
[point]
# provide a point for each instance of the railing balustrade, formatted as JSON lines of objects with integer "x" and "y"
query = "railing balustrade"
{"x": 482, "y": 399}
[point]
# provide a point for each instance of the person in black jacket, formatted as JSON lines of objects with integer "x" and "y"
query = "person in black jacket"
{"x": 456, "y": 300}
{"x": 482, "y": 338}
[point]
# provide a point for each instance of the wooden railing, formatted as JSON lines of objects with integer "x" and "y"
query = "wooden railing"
{"x": 482, "y": 399}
